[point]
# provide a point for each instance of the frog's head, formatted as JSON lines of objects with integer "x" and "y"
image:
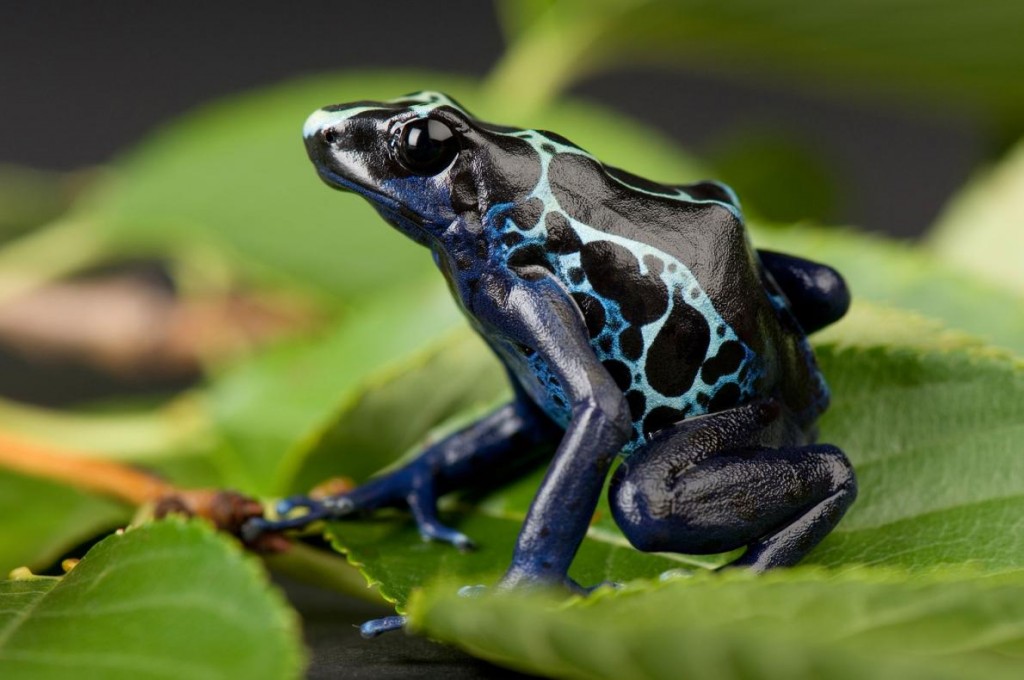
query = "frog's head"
{"x": 422, "y": 160}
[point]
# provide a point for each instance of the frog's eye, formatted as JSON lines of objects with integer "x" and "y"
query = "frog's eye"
{"x": 427, "y": 146}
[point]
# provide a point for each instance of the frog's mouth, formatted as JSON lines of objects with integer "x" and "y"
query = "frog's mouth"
{"x": 389, "y": 208}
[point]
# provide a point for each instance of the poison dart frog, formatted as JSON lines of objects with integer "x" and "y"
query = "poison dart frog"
{"x": 633, "y": 318}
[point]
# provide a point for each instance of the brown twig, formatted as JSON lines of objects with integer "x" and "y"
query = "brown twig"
{"x": 74, "y": 469}
{"x": 227, "y": 510}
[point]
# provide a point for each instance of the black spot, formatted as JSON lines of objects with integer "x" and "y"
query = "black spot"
{"x": 728, "y": 359}
{"x": 562, "y": 238}
{"x": 512, "y": 238}
{"x": 631, "y": 341}
{"x": 619, "y": 372}
{"x": 605, "y": 344}
{"x": 576, "y": 275}
{"x": 678, "y": 350}
{"x": 694, "y": 293}
{"x": 593, "y": 312}
{"x": 703, "y": 400}
{"x": 615, "y": 273}
{"x": 720, "y": 330}
{"x": 653, "y": 264}
{"x": 531, "y": 255}
{"x": 637, "y": 403}
{"x": 662, "y": 417}
{"x": 548, "y": 147}
{"x": 525, "y": 215}
{"x": 727, "y": 397}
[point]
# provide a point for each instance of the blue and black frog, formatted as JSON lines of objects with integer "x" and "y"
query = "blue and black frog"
{"x": 633, "y": 319}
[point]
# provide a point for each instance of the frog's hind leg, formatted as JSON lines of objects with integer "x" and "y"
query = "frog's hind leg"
{"x": 817, "y": 293}
{"x": 727, "y": 480}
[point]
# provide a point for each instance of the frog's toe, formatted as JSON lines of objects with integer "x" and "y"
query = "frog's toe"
{"x": 387, "y": 624}
{"x": 424, "y": 511}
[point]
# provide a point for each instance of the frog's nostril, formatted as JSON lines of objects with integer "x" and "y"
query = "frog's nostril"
{"x": 330, "y": 136}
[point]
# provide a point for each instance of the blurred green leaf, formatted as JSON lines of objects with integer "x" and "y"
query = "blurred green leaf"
{"x": 982, "y": 230}
{"x": 41, "y": 520}
{"x": 29, "y": 198}
{"x": 396, "y": 409}
{"x": 169, "y": 599}
{"x": 895, "y": 274}
{"x": 961, "y": 56}
{"x": 267, "y": 409}
{"x": 778, "y": 176}
{"x": 789, "y": 624}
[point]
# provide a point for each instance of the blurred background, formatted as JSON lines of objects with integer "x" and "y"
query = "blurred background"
{"x": 82, "y": 82}
{"x": 153, "y": 245}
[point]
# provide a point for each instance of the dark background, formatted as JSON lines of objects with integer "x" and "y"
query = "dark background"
{"x": 81, "y": 81}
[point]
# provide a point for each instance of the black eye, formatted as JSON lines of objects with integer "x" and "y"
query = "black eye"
{"x": 428, "y": 146}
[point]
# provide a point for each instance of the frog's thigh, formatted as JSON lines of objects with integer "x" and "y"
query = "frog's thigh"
{"x": 780, "y": 502}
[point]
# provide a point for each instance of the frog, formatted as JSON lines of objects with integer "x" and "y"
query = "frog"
{"x": 635, "y": 322}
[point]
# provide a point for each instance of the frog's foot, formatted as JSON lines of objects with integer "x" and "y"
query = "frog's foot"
{"x": 334, "y": 507}
{"x": 376, "y": 627}
{"x": 412, "y": 487}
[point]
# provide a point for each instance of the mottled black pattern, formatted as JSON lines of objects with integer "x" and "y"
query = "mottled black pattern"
{"x": 593, "y": 312}
{"x": 728, "y": 359}
{"x": 661, "y": 417}
{"x": 631, "y": 342}
{"x": 561, "y": 237}
{"x": 678, "y": 351}
{"x": 614, "y": 272}
{"x": 620, "y": 373}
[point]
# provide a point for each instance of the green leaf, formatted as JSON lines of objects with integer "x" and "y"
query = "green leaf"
{"x": 944, "y": 52}
{"x": 938, "y": 459}
{"x": 936, "y": 442}
{"x": 234, "y": 177}
{"x": 793, "y": 624}
{"x": 266, "y": 409}
{"x": 394, "y": 410}
{"x": 41, "y": 520}
{"x": 894, "y": 274}
{"x": 982, "y": 230}
{"x": 168, "y": 600}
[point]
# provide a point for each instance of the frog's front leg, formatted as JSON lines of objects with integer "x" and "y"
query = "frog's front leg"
{"x": 535, "y": 311}
{"x": 518, "y": 430}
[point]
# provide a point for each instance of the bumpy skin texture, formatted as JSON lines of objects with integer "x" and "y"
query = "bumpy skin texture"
{"x": 633, "y": 318}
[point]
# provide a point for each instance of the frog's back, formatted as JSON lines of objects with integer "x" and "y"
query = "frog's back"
{"x": 676, "y": 301}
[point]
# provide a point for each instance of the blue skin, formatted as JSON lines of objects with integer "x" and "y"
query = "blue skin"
{"x": 633, "y": 319}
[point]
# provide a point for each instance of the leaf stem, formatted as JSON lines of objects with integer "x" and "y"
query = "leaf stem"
{"x": 80, "y": 471}
{"x": 546, "y": 58}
